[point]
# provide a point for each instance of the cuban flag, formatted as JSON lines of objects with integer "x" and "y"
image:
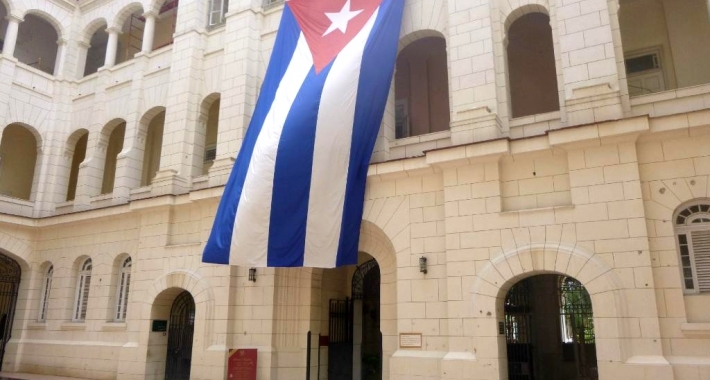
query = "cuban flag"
{"x": 295, "y": 195}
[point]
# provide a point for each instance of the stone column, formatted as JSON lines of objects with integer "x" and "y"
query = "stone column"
{"x": 111, "y": 46}
{"x": 61, "y": 57}
{"x": 83, "y": 50}
{"x": 11, "y": 35}
{"x": 148, "y": 32}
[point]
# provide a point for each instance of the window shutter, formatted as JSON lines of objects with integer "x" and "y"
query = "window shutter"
{"x": 701, "y": 251}
{"x": 45, "y": 298}
{"x": 125, "y": 295}
{"x": 82, "y": 298}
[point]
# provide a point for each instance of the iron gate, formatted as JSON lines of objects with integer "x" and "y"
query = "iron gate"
{"x": 9, "y": 283}
{"x": 518, "y": 312}
{"x": 366, "y": 287}
{"x": 340, "y": 346}
{"x": 180, "y": 331}
{"x": 577, "y": 322}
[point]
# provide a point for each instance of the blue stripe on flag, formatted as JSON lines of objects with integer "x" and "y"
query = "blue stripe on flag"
{"x": 375, "y": 79}
{"x": 220, "y": 240}
{"x": 292, "y": 178}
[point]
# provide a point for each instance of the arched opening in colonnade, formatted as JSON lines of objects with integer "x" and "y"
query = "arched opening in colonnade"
{"x": 3, "y": 22}
{"x": 18, "y": 158}
{"x": 130, "y": 39}
{"x": 76, "y": 149}
{"x": 112, "y": 141}
{"x": 165, "y": 24}
{"x": 205, "y": 146}
{"x": 422, "y": 88}
{"x": 154, "y": 124}
{"x": 664, "y": 44}
{"x": 532, "y": 75}
{"x": 96, "y": 51}
{"x": 37, "y": 43}
{"x": 549, "y": 330}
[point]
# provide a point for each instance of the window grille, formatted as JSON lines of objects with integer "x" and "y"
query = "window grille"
{"x": 210, "y": 153}
{"x": 272, "y": 3}
{"x": 46, "y": 288}
{"x": 218, "y": 8}
{"x": 82, "y": 292}
{"x": 124, "y": 287}
{"x": 693, "y": 234}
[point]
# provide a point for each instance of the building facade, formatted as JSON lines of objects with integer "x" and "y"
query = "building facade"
{"x": 538, "y": 204}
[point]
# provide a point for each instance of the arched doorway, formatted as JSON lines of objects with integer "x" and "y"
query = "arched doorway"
{"x": 355, "y": 340}
{"x": 549, "y": 330}
{"x": 9, "y": 283}
{"x": 180, "y": 332}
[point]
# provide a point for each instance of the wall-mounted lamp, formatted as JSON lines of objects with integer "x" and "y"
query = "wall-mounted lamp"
{"x": 422, "y": 264}
{"x": 252, "y": 274}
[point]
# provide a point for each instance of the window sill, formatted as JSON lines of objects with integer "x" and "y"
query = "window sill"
{"x": 113, "y": 326}
{"x": 536, "y": 118}
{"x": 433, "y": 136}
{"x": 73, "y": 326}
{"x": 695, "y": 329}
{"x": 37, "y": 326}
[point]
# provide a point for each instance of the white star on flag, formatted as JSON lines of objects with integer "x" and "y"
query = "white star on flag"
{"x": 341, "y": 19}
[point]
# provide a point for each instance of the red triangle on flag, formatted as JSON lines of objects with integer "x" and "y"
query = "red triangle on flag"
{"x": 329, "y": 25}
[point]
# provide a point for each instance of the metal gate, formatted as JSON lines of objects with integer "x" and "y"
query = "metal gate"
{"x": 518, "y": 312}
{"x": 180, "y": 331}
{"x": 577, "y": 325}
{"x": 366, "y": 287}
{"x": 340, "y": 346}
{"x": 9, "y": 284}
{"x": 573, "y": 319}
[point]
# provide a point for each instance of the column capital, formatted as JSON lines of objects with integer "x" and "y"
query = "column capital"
{"x": 150, "y": 14}
{"x": 14, "y": 17}
{"x": 113, "y": 29}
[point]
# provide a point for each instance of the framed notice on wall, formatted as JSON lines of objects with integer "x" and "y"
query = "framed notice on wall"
{"x": 410, "y": 340}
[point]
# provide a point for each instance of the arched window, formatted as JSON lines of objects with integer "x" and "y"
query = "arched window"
{"x": 37, "y": 44}
{"x": 124, "y": 286}
{"x": 693, "y": 232}
{"x": 46, "y": 289}
{"x": 114, "y": 145}
{"x": 532, "y": 76}
{"x": 96, "y": 53}
{"x": 421, "y": 88}
{"x": 130, "y": 41}
{"x": 153, "y": 148}
{"x": 82, "y": 292}
{"x": 165, "y": 24}
{"x": 18, "y": 157}
{"x": 206, "y": 142}
{"x": 77, "y": 159}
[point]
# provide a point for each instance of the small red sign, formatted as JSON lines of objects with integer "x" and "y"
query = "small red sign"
{"x": 242, "y": 364}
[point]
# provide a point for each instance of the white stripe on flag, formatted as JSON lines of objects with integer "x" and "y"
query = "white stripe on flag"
{"x": 251, "y": 226}
{"x": 331, "y": 157}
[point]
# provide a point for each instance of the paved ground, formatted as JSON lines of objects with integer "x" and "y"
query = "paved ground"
{"x": 28, "y": 376}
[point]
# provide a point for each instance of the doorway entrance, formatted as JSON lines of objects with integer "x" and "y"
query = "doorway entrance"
{"x": 549, "y": 330}
{"x": 9, "y": 284}
{"x": 355, "y": 340}
{"x": 180, "y": 332}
